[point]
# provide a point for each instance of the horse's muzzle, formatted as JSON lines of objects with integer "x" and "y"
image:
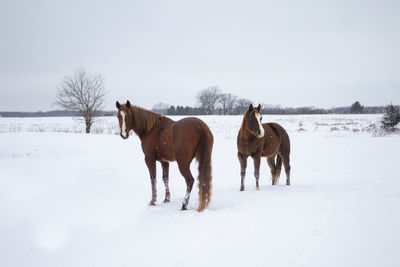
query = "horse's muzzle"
{"x": 124, "y": 137}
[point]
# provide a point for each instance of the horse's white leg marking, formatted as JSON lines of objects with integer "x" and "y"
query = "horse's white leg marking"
{"x": 186, "y": 198}
{"x": 123, "y": 129}
{"x": 258, "y": 117}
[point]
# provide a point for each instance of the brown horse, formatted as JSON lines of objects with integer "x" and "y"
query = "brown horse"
{"x": 262, "y": 140}
{"x": 165, "y": 140}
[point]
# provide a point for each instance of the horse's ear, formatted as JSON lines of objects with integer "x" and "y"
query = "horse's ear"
{"x": 251, "y": 107}
{"x": 258, "y": 108}
{"x": 117, "y": 104}
{"x": 128, "y": 104}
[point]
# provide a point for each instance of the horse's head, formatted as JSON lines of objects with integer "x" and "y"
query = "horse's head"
{"x": 253, "y": 121}
{"x": 124, "y": 118}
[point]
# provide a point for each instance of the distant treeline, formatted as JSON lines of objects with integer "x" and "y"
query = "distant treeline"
{"x": 213, "y": 101}
{"x": 52, "y": 113}
{"x": 187, "y": 110}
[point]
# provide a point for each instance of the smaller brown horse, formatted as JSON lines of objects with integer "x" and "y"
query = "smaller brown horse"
{"x": 262, "y": 140}
{"x": 165, "y": 140}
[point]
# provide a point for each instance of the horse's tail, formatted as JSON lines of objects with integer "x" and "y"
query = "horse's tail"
{"x": 203, "y": 156}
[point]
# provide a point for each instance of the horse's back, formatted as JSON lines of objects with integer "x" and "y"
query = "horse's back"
{"x": 187, "y": 133}
{"x": 189, "y": 126}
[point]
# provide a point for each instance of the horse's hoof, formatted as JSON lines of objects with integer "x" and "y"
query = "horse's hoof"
{"x": 241, "y": 188}
{"x": 152, "y": 203}
{"x": 167, "y": 200}
{"x": 184, "y": 207}
{"x": 257, "y": 188}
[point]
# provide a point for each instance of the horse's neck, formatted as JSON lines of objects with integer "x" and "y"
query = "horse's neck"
{"x": 144, "y": 117}
{"x": 137, "y": 131}
{"x": 244, "y": 133}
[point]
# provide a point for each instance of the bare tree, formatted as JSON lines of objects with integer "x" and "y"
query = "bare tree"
{"x": 208, "y": 99}
{"x": 84, "y": 93}
{"x": 161, "y": 108}
{"x": 241, "y": 105}
{"x": 227, "y": 102}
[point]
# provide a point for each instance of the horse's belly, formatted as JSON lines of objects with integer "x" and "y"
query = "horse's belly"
{"x": 165, "y": 146}
{"x": 169, "y": 157}
{"x": 269, "y": 150}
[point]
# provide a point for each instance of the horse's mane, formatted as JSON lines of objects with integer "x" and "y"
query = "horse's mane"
{"x": 144, "y": 120}
{"x": 242, "y": 127}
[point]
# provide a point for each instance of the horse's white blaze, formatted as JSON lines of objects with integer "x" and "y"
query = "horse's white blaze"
{"x": 258, "y": 117}
{"x": 123, "y": 128}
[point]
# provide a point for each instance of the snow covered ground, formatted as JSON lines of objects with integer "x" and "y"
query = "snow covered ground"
{"x": 71, "y": 199}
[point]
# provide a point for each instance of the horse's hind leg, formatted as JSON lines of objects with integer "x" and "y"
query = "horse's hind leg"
{"x": 243, "y": 165}
{"x": 165, "y": 168}
{"x": 184, "y": 168}
{"x": 286, "y": 164}
{"x": 257, "y": 160}
{"x": 271, "y": 164}
{"x": 278, "y": 168}
{"x": 151, "y": 165}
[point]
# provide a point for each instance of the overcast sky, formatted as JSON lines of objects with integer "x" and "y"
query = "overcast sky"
{"x": 289, "y": 53}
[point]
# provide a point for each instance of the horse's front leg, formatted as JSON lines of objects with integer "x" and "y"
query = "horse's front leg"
{"x": 165, "y": 168}
{"x": 151, "y": 165}
{"x": 272, "y": 166}
{"x": 257, "y": 160}
{"x": 243, "y": 164}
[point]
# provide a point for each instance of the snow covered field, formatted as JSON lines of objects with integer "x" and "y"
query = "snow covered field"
{"x": 71, "y": 199}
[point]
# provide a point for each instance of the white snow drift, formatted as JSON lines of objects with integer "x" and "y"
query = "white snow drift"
{"x": 81, "y": 200}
